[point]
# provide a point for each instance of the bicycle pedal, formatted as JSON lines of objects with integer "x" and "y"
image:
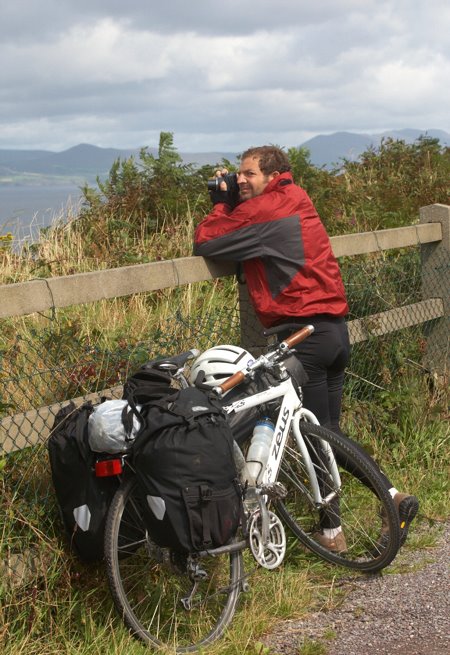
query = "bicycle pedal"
{"x": 274, "y": 490}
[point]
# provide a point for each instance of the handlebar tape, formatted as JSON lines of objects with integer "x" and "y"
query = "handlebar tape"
{"x": 297, "y": 337}
{"x": 232, "y": 382}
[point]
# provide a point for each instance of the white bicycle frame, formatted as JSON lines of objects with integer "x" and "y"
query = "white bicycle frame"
{"x": 290, "y": 414}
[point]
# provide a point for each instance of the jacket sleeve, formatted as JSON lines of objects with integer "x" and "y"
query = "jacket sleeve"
{"x": 228, "y": 234}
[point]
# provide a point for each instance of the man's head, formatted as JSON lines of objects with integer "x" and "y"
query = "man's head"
{"x": 258, "y": 167}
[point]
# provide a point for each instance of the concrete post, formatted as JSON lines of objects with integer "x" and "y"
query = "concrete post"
{"x": 436, "y": 284}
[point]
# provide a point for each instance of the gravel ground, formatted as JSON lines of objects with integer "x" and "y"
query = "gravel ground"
{"x": 406, "y": 613}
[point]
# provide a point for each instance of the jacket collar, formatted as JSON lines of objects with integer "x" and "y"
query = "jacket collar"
{"x": 283, "y": 179}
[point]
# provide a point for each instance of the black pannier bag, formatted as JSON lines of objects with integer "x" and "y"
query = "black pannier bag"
{"x": 83, "y": 498}
{"x": 146, "y": 383}
{"x": 183, "y": 458}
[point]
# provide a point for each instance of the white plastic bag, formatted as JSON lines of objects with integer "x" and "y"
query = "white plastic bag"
{"x": 106, "y": 431}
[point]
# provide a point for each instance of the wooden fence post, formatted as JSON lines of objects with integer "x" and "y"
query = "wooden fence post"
{"x": 252, "y": 338}
{"x": 436, "y": 284}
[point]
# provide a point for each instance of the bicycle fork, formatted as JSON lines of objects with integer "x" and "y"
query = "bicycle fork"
{"x": 327, "y": 456}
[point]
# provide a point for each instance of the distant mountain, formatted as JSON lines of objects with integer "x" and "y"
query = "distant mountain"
{"x": 329, "y": 149}
{"x": 82, "y": 161}
{"x": 85, "y": 162}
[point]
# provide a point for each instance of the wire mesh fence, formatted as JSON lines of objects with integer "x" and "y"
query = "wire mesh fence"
{"x": 43, "y": 369}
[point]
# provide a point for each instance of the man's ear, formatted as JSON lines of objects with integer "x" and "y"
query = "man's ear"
{"x": 274, "y": 174}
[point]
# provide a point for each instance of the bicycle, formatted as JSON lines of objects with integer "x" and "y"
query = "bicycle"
{"x": 188, "y": 602}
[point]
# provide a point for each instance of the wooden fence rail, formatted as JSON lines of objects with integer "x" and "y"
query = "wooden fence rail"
{"x": 42, "y": 294}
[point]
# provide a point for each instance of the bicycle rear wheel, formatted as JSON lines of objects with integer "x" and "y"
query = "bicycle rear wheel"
{"x": 362, "y": 503}
{"x": 150, "y": 587}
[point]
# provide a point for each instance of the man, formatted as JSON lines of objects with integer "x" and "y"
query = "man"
{"x": 271, "y": 225}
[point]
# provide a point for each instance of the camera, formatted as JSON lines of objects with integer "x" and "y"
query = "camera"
{"x": 231, "y": 181}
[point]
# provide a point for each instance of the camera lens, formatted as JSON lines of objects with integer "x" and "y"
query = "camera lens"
{"x": 213, "y": 185}
{"x": 229, "y": 178}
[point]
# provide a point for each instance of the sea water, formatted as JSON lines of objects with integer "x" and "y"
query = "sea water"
{"x": 24, "y": 210}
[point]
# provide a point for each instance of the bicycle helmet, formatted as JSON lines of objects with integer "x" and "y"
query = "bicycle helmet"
{"x": 217, "y": 364}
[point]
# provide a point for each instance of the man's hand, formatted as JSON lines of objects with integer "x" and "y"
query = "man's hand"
{"x": 222, "y": 193}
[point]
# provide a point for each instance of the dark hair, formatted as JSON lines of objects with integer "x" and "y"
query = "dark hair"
{"x": 270, "y": 159}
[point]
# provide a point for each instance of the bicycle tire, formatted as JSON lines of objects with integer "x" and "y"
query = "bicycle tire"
{"x": 147, "y": 583}
{"x": 361, "y": 507}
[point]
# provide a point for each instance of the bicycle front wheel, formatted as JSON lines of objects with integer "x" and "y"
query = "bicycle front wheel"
{"x": 362, "y": 505}
{"x": 179, "y": 602}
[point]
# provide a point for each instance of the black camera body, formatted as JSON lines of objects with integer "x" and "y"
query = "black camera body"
{"x": 231, "y": 181}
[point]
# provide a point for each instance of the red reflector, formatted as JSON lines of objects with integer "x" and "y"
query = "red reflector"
{"x": 106, "y": 467}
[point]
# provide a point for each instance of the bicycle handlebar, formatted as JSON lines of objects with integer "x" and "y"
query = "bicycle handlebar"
{"x": 232, "y": 381}
{"x": 297, "y": 337}
{"x": 284, "y": 346}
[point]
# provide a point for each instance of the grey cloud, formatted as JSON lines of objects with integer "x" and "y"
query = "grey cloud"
{"x": 25, "y": 18}
{"x": 219, "y": 72}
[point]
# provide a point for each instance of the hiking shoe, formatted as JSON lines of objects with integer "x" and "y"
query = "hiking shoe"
{"x": 407, "y": 507}
{"x": 335, "y": 544}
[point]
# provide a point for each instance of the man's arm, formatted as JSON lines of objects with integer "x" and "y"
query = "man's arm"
{"x": 227, "y": 234}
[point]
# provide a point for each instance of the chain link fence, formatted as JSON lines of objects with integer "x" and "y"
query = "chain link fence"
{"x": 42, "y": 370}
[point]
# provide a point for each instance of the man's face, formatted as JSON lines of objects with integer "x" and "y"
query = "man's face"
{"x": 251, "y": 179}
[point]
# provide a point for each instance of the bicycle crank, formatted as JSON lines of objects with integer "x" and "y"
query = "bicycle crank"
{"x": 267, "y": 539}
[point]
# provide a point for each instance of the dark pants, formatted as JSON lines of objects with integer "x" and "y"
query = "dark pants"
{"x": 325, "y": 355}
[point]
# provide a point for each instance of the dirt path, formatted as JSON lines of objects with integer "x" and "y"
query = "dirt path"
{"x": 405, "y": 613}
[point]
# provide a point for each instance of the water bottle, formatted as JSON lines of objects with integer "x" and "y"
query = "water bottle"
{"x": 258, "y": 452}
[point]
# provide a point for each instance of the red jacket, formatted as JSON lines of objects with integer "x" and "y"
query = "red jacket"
{"x": 289, "y": 266}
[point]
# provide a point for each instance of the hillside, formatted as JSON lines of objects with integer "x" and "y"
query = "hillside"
{"x": 328, "y": 150}
{"x": 82, "y": 161}
{"x": 86, "y": 162}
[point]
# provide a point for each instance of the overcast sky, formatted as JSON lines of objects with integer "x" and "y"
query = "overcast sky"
{"x": 221, "y": 76}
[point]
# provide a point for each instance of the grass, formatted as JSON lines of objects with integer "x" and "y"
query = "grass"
{"x": 66, "y": 608}
{"x": 312, "y": 647}
{"x": 406, "y": 430}
{"x": 71, "y": 611}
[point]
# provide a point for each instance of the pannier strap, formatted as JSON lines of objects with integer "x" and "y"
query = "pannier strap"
{"x": 127, "y": 421}
{"x": 205, "y": 497}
